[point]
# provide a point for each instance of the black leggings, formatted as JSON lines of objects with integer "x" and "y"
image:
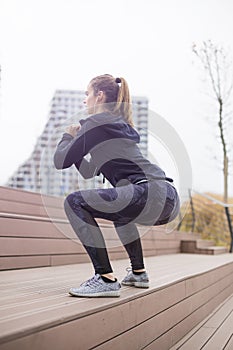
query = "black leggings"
{"x": 124, "y": 206}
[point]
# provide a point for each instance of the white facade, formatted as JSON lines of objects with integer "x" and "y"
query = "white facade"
{"x": 38, "y": 173}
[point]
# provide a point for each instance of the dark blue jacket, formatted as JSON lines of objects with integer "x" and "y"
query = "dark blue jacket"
{"x": 112, "y": 145}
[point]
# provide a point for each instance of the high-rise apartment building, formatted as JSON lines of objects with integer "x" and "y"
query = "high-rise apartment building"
{"x": 38, "y": 173}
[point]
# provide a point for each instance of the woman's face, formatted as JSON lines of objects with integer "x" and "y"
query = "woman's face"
{"x": 90, "y": 99}
{"x": 94, "y": 103}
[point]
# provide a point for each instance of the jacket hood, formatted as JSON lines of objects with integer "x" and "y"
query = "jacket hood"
{"x": 114, "y": 126}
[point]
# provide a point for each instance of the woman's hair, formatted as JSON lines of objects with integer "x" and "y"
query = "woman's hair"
{"x": 117, "y": 95}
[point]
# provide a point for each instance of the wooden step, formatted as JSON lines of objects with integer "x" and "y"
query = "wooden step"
{"x": 35, "y": 232}
{"x": 201, "y": 247}
{"x": 213, "y": 333}
{"x": 37, "y": 313}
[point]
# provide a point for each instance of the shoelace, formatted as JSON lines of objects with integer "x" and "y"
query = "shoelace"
{"x": 90, "y": 281}
{"x": 129, "y": 270}
{"x": 94, "y": 281}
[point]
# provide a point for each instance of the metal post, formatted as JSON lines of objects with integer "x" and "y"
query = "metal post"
{"x": 230, "y": 228}
{"x": 180, "y": 221}
{"x": 193, "y": 212}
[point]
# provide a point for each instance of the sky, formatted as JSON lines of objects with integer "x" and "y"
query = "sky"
{"x": 61, "y": 44}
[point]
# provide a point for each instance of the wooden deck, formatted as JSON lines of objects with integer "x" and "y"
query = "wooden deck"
{"x": 35, "y": 232}
{"x": 214, "y": 333}
{"x": 37, "y": 313}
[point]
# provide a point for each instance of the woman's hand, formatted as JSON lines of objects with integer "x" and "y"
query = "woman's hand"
{"x": 73, "y": 129}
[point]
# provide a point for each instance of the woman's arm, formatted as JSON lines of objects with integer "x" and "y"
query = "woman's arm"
{"x": 60, "y": 154}
{"x": 62, "y": 158}
{"x": 87, "y": 168}
{"x": 72, "y": 150}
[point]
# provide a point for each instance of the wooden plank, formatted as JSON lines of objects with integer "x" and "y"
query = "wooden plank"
{"x": 162, "y": 343}
{"x": 41, "y": 229}
{"x": 38, "y": 246}
{"x": 108, "y": 322}
{"x": 205, "y": 329}
{"x": 220, "y": 315}
{"x": 180, "y": 335}
{"x": 150, "y": 307}
{"x": 33, "y": 229}
{"x": 16, "y": 246}
{"x": 199, "y": 282}
{"x": 152, "y": 329}
{"x": 229, "y": 344}
{"x": 72, "y": 333}
{"x": 69, "y": 259}
{"x": 198, "y": 340}
{"x": 20, "y": 262}
{"x": 222, "y": 335}
{"x": 17, "y": 195}
{"x": 129, "y": 315}
{"x": 31, "y": 209}
{"x": 160, "y": 244}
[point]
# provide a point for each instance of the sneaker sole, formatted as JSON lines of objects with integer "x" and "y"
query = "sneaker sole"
{"x": 96, "y": 295}
{"x": 137, "y": 284}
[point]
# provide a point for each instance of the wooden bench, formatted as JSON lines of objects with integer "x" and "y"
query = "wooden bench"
{"x": 214, "y": 332}
{"x": 34, "y": 232}
{"x": 200, "y": 246}
{"x": 37, "y": 313}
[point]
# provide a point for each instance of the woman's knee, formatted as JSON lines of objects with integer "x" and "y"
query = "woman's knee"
{"x": 73, "y": 199}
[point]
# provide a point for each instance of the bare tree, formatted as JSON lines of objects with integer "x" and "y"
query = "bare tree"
{"x": 218, "y": 67}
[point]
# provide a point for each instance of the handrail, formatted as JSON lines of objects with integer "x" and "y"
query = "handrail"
{"x": 225, "y": 205}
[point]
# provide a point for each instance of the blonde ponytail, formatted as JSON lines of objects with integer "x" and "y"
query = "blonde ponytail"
{"x": 117, "y": 94}
{"x": 123, "y": 103}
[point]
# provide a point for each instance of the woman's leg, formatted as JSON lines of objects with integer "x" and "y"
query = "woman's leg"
{"x": 114, "y": 204}
{"x": 129, "y": 236}
{"x": 171, "y": 206}
{"x": 89, "y": 233}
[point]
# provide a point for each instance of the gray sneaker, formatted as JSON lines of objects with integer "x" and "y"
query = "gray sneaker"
{"x": 140, "y": 281}
{"x": 96, "y": 287}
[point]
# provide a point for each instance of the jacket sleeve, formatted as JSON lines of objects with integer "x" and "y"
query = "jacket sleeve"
{"x": 87, "y": 168}
{"x": 61, "y": 159}
{"x": 72, "y": 150}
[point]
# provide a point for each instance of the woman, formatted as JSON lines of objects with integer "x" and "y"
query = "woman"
{"x": 141, "y": 192}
